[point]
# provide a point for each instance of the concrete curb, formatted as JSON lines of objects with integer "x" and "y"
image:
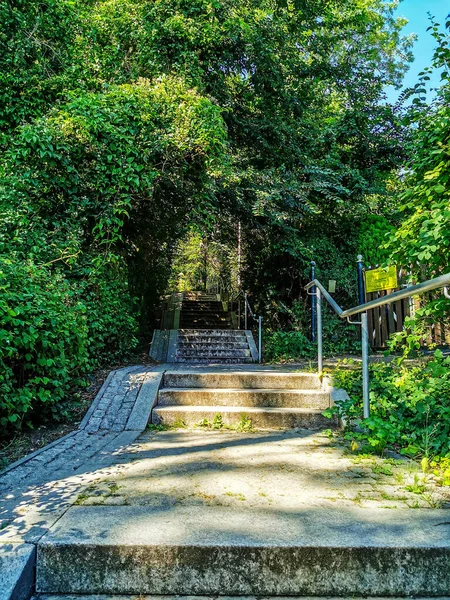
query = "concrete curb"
{"x": 145, "y": 402}
{"x": 172, "y": 346}
{"x": 17, "y": 571}
{"x": 252, "y": 345}
{"x": 337, "y": 396}
{"x": 313, "y": 551}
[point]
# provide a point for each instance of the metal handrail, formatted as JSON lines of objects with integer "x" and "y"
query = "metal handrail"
{"x": 442, "y": 282}
{"x": 426, "y": 286}
{"x": 331, "y": 301}
{"x": 248, "y": 309}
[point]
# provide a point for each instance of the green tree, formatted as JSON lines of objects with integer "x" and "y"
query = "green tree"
{"x": 421, "y": 242}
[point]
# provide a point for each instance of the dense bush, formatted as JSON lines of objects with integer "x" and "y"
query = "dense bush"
{"x": 338, "y": 338}
{"x": 43, "y": 341}
{"x": 410, "y": 406}
{"x": 111, "y": 317}
{"x": 76, "y": 189}
{"x": 286, "y": 345}
{"x": 52, "y": 331}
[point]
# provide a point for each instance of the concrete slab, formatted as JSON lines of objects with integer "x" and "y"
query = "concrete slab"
{"x": 198, "y": 550}
{"x": 278, "y": 470}
{"x": 17, "y": 563}
{"x": 30, "y": 527}
{"x": 172, "y": 597}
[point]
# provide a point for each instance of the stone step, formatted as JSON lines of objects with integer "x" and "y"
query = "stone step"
{"x": 211, "y": 322}
{"x": 212, "y": 316}
{"x": 260, "y": 417}
{"x": 243, "y": 398}
{"x": 212, "y": 343}
{"x": 230, "y": 360}
{"x": 202, "y": 323}
{"x": 199, "y": 326}
{"x": 206, "y": 317}
{"x": 203, "y": 306}
{"x": 212, "y": 332}
{"x": 207, "y": 352}
{"x": 243, "y": 380}
{"x": 179, "y": 597}
{"x": 200, "y": 298}
{"x": 215, "y": 339}
{"x": 222, "y": 551}
{"x": 202, "y": 303}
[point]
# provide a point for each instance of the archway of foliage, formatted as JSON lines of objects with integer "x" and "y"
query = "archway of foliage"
{"x": 70, "y": 183}
{"x": 126, "y": 122}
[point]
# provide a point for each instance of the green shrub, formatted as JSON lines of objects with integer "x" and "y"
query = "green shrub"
{"x": 338, "y": 338}
{"x": 410, "y": 406}
{"x": 111, "y": 319}
{"x": 43, "y": 342}
{"x": 286, "y": 345}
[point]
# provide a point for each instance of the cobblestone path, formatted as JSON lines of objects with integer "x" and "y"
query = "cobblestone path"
{"x": 35, "y": 491}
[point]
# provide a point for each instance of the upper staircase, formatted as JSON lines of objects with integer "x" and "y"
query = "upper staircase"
{"x": 204, "y": 311}
{"x": 203, "y": 330}
{"x": 214, "y": 345}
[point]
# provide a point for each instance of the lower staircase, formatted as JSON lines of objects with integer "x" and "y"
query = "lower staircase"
{"x": 262, "y": 399}
{"x": 207, "y": 549}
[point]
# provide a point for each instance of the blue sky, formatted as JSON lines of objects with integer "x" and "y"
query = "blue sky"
{"x": 416, "y": 11}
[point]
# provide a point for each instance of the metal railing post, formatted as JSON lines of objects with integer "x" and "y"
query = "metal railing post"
{"x": 239, "y": 313}
{"x": 313, "y": 303}
{"x": 245, "y": 313}
{"x": 260, "y": 339}
{"x": 319, "y": 331}
{"x": 361, "y": 290}
{"x": 365, "y": 364}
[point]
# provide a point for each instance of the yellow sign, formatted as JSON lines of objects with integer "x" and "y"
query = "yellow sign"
{"x": 381, "y": 279}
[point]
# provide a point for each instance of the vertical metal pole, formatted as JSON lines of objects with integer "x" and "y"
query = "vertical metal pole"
{"x": 245, "y": 318}
{"x": 319, "y": 332}
{"x": 365, "y": 364}
{"x": 239, "y": 313}
{"x": 361, "y": 292}
{"x": 260, "y": 339}
{"x": 364, "y": 339}
{"x": 313, "y": 303}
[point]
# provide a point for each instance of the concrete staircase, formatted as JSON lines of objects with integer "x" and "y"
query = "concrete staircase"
{"x": 204, "y": 311}
{"x": 203, "y": 332}
{"x": 215, "y": 345}
{"x": 269, "y": 400}
{"x": 207, "y": 549}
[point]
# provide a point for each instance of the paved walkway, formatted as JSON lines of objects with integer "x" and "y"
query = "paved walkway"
{"x": 110, "y": 461}
{"x": 37, "y": 490}
{"x": 280, "y": 471}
